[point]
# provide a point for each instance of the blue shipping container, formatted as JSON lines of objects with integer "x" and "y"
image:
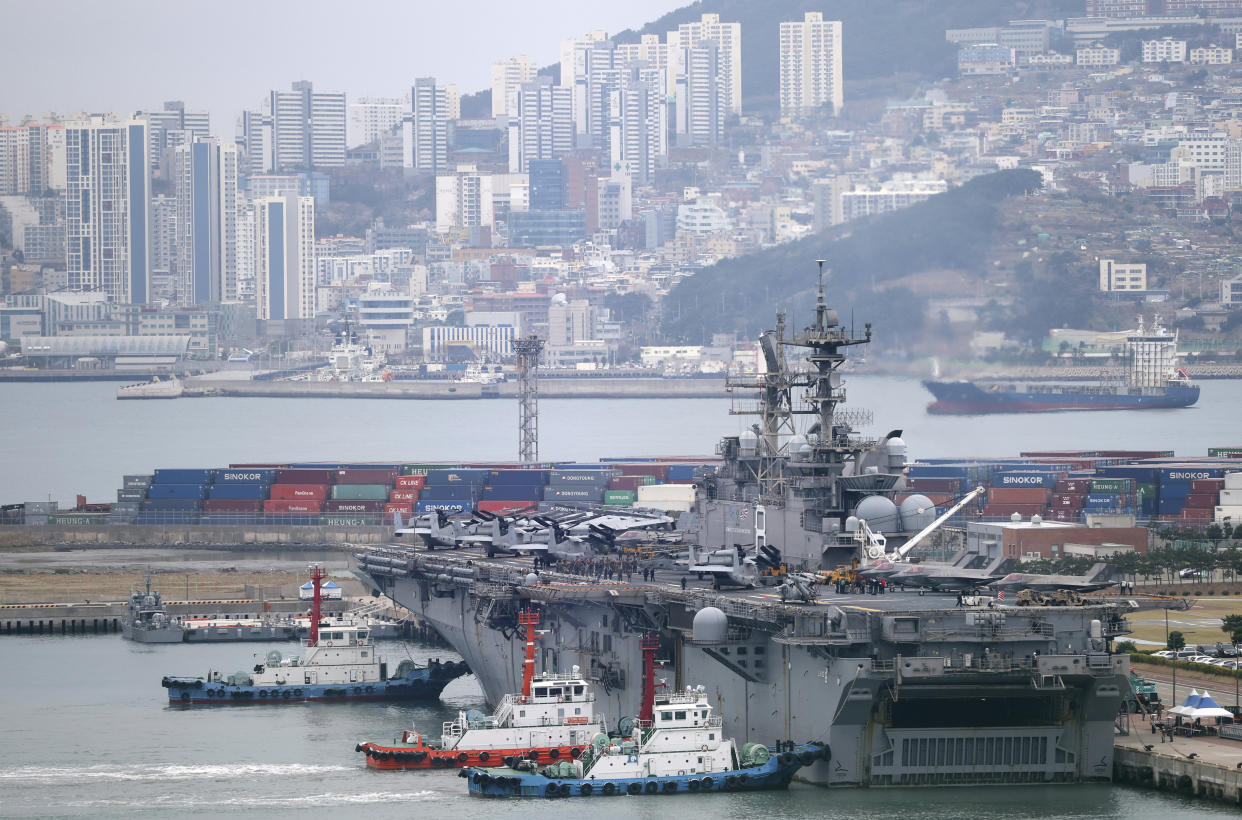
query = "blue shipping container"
{"x": 523, "y": 477}
{"x": 442, "y": 477}
{"x": 450, "y": 507}
{"x": 451, "y": 492}
{"x": 513, "y": 492}
{"x": 177, "y": 491}
{"x": 183, "y": 476}
{"x": 1189, "y": 473}
{"x": 245, "y": 476}
{"x": 1025, "y": 478}
{"x": 1175, "y": 489}
{"x": 588, "y": 495}
{"x": 239, "y": 491}
{"x": 684, "y": 472}
{"x": 172, "y": 504}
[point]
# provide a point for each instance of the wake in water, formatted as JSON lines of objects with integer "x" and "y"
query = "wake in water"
{"x": 160, "y": 773}
{"x": 166, "y": 802}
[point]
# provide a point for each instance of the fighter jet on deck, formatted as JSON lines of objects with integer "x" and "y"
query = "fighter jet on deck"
{"x": 1098, "y": 577}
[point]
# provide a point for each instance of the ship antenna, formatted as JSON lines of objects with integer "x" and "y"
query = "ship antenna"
{"x": 820, "y": 307}
{"x": 528, "y": 618}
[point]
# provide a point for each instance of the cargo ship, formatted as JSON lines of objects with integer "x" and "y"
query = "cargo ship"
{"x": 338, "y": 664}
{"x": 905, "y": 690}
{"x": 1153, "y": 381}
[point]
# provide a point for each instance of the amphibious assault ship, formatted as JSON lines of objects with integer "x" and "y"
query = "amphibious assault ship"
{"x": 902, "y": 688}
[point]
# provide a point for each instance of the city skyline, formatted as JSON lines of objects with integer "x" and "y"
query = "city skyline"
{"x": 361, "y": 54}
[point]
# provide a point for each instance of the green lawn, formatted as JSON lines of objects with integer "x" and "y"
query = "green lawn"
{"x": 1199, "y": 624}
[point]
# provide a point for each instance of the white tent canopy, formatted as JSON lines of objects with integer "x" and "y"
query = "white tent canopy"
{"x": 1208, "y": 708}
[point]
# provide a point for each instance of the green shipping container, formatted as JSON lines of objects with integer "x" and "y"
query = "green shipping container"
{"x": 77, "y": 519}
{"x": 1224, "y": 452}
{"x": 360, "y": 492}
{"x": 1109, "y": 485}
{"x": 617, "y": 498}
{"x": 648, "y": 480}
{"x": 421, "y": 469}
{"x": 349, "y": 520}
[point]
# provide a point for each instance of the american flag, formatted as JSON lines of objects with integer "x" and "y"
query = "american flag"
{"x": 1000, "y": 596}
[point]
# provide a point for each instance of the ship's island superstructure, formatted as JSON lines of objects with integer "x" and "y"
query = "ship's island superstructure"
{"x": 900, "y": 688}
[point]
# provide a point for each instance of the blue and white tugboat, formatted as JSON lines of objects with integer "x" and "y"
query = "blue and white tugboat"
{"x": 675, "y": 745}
{"x": 338, "y": 664}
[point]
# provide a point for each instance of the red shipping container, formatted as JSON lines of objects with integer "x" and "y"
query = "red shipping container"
{"x": 257, "y": 466}
{"x": 627, "y": 482}
{"x": 499, "y": 507}
{"x": 305, "y": 476}
{"x": 291, "y": 505}
{"x": 403, "y": 495}
{"x": 1006, "y": 510}
{"x": 1018, "y": 495}
{"x": 404, "y": 509}
{"x": 934, "y": 485}
{"x": 308, "y": 492}
{"x": 1073, "y": 485}
{"x": 341, "y": 505}
{"x": 366, "y": 477}
{"x": 1065, "y": 515}
{"x": 1207, "y": 485}
{"x": 411, "y": 482}
{"x": 658, "y": 471}
{"x": 1202, "y": 501}
{"x": 239, "y": 505}
{"x": 1196, "y": 514}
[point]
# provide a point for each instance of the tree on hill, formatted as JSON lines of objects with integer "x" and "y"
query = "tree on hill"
{"x": 1231, "y": 625}
{"x": 948, "y": 231}
{"x": 1177, "y": 641}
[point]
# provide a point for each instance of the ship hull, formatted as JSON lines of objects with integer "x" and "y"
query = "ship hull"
{"x": 969, "y": 398}
{"x": 776, "y": 773}
{"x": 422, "y": 685}
{"x": 391, "y": 758}
{"x": 165, "y": 634}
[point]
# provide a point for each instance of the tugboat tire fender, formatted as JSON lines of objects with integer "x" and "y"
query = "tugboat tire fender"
{"x": 575, "y": 753}
{"x": 484, "y": 757}
{"x": 586, "y": 788}
{"x": 262, "y": 693}
{"x": 694, "y": 785}
{"x": 730, "y": 781}
{"x": 609, "y": 788}
{"x": 671, "y": 785}
{"x": 370, "y": 689}
{"x": 551, "y": 790}
{"x": 533, "y": 754}
{"x": 807, "y": 758}
{"x": 419, "y": 757}
{"x": 634, "y": 788}
{"x": 285, "y": 694}
{"x": 708, "y": 784}
{"x": 297, "y": 693}
{"x": 462, "y": 757}
{"x": 554, "y": 753}
{"x": 652, "y": 787}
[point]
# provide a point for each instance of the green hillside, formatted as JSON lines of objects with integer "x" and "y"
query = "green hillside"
{"x": 950, "y": 231}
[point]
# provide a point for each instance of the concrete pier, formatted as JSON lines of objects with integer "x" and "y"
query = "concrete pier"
{"x": 1212, "y": 773}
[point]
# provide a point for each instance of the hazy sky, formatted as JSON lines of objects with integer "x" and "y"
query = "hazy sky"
{"x": 223, "y": 55}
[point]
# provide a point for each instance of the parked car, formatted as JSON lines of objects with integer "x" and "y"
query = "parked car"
{"x": 1208, "y": 649}
{"x": 1226, "y": 650}
{"x": 1163, "y": 653}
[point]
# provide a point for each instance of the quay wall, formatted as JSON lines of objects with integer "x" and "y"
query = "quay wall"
{"x": 1177, "y": 774}
{"x": 15, "y": 537}
{"x": 594, "y": 388}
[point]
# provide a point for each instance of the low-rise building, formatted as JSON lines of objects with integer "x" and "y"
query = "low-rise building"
{"x": 1164, "y": 50}
{"x": 1211, "y": 55}
{"x": 1098, "y": 56}
{"x": 1120, "y": 276}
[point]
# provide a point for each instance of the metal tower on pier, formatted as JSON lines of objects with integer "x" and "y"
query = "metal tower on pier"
{"x": 528, "y": 351}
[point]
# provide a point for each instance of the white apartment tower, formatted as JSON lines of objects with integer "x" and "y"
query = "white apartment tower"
{"x": 107, "y": 209}
{"x": 425, "y": 128}
{"x": 638, "y": 138}
{"x": 205, "y": 263}
{"x": 172, "y": 126}
{"x": 254, "y": 140}
{"x": 24, "y": 158}
{"x": 284, "y": 232}
{"x": 701, "y": 95}
{"x": 728, "y": 39}
{"x": 369, "y": 118}
{"x": 543, "y": 125}
{"x": 463, "y": 200}
{"x": 810, "y": 65}
{"x": 308, "y": 128}
{"x": 507, "y": 78}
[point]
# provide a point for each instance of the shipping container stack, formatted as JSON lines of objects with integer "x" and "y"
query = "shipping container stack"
{"x": 298, "y": 494}
{"x": 403, "y": 496}
{"x": 175, "y": 497}
{"x": 570, "y": 485}
{"x": 237, "y": 495}
{"x": 359, "y": 495}
{"x": 451, "y": 491}
{"x": 507, "y": 491}
{"x": 129, "y": 498}
{"x": 1229, "y": 508}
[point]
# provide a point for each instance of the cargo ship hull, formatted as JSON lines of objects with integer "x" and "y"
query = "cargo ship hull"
{"x": 970, "y": 398}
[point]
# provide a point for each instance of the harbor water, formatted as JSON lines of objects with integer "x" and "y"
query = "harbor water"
{"x": 89, "y": 733}
{"x": 64, "y": 439}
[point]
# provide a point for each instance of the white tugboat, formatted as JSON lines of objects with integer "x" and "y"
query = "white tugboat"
{"x": 553, "y": 718}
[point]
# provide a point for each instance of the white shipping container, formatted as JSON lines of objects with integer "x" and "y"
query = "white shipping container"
{"x": 1233, "y": 481}
{"x": 1232, "y": 512}
{"x": 666, "y": 506}
{"x": 1231, "y": 498}
{"x": 666, "y": 492}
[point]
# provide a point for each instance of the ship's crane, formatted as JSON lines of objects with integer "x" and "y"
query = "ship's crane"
{"x": 875, "y": 545}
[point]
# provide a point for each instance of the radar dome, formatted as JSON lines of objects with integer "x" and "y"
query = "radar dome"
{"x": 830, "y": 318}
{"x": 897, "y": 450}
{"x": 917, "y": 511}
{"x": 1016, "y": 517}
{"x": 851, "y": 524}
{"x": 531, "y": 579}
{"x": 879, "y": 512}
{"x": 710, "y": 626}
{"x": 1037, "y": 519}
{"x": 748, "y": 442}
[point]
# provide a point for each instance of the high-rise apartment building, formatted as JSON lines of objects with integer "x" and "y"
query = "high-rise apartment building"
{"x": 205, "y": 260}
{"x": 107, "y": 209}
{"x": 172, "y": 126}
{"x": 543, "y": 125}
{"x": 507, "y": 78}
{"x": 284, "y": 249}
{"x": 728, "y": 39}
{"x": 463, "y": 200}
{"x": 370, "y": 118}
{"x": 254, "y": 142}
{"x": 308, "y": 128}
{"x": 24, "y": 158}
{"x": 810, "y": 65}
{"x": 651, "y": 51}
{"x": 702, "y": 95}
{"x": 638, "y": 127}
{"x": 425, "y": 128}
